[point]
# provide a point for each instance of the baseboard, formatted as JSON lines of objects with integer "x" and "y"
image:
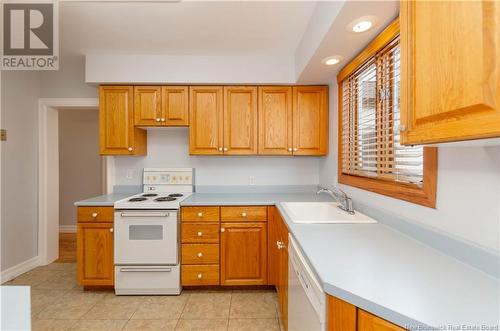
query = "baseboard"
{"x": 67, "y": 228}
{"x": 19, "y": 269}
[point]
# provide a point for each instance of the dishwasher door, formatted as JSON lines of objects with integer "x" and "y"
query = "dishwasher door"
{"x": 306, "y": 299}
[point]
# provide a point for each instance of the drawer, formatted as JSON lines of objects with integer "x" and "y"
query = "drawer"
{"x": 95, "y": 214}
{"x": 200, "y": 214}
{"x": 193, "y": 275}
{"x": 193, "y": 233}
{"x": 244, "y": 213}
{"x": 200, "y": 254}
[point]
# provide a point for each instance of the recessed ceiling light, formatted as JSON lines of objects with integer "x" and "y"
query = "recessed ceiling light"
{"x": 332, "y": 60}
{"x": 362, "y": 24}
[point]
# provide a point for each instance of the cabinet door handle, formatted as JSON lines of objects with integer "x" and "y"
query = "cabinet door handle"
{"x": 200, "y": 276}
{"x": 200, "y": 214}
{"x": 94, "y": 215}
{"x": 243, "y": 214}
{"x": 290, "y": 149}
{"x": 295, "y": 149}
{"x": 162, "y": 119}
{"x": 402, "y": 128}
{"x": 200, "y": 254}
{"x": 277, "y": 244}
{"x": 220, "y": 149}
{"x": 157, "y": 120}
{"x": 130, "y": 149}
{"x": 111, "y": 230}
{"x": 222, "y": 230}
{"x": 200, "y": 234}
{"x": 225, "y": 149}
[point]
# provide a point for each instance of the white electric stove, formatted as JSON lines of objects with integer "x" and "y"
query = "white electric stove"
{"x": 146, "y": 236}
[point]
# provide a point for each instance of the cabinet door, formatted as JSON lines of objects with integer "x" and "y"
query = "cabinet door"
{"x": 95, "y": 254}
{"x": 275, "y": 120}
{"x": 147, "y": 105}
{"x": 206, "y": 118}
{"x": 175, "y": 107}
{"x": 369, "y": 322}
{"x": 117, "y": 135}
{"x": 240, "y": 120}
{"x": 273, "y": 254}
{"x": 243, "y": 254}
{"x": 310, "y": 120}
{"x": 450, "y": 74}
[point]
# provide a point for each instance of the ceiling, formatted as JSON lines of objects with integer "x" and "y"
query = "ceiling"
{"x": 183, "y": 28}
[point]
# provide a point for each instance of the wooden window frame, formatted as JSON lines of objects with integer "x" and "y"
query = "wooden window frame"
{"x": 424, "y": 195}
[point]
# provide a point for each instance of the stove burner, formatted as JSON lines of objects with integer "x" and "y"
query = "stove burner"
{"x": 137, "y": 199}
{"x": 149, "y": 195}
{"x": 176, "y": 195}
{"x": 162, "y": 199}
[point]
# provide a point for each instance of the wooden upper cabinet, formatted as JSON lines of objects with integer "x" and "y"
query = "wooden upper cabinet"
{"x": 240, "y": 120}
{"x": 175, "y": 105}
{"x": 206, "y": 114}
{"x": 275, "y": 120}
{"x": 450, "y": 74}
{"x": 117, "y": 134}
{"x": 243, "y": 254}
{"x": 95, "y": 254}
{"x": 147, "y": 106}
{"x": 310, "y": 120}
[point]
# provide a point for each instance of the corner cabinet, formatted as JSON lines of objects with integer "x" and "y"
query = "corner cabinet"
{"x": 117, "y": 133}
{"x": 450, "y": 74}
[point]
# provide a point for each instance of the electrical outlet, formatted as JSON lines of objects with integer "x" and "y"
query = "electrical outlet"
{"x": 130, "y": 174}
{"x": 251, "y": 180}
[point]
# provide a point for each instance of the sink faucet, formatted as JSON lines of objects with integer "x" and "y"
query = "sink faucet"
{"x": 339, "y": 196}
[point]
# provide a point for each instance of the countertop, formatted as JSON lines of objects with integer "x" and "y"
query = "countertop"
{"x": 105, "y": 200}
{"x": 377, "y": 268}
{"x": 384, "y": 271}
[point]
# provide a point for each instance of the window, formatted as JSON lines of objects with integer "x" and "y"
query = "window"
{"x": 370, "y": 154}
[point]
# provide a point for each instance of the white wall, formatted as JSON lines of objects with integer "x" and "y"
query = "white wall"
{"x": 169, "y": 148}
{"x": 20, "y": 91}
{"x": 468, "y": 191}
{"x": 80, "y": 168}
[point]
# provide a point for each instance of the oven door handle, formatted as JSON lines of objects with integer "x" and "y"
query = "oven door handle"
{"x": 145, "y": 269}
{"x": 145, "y": 214}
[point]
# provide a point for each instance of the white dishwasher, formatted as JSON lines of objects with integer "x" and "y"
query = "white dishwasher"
{"x": 306, "y": 299}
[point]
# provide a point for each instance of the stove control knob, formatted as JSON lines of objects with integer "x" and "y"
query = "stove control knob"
{"x": 200, "y": 276}
{"x": 200, "y": 214}
{"x": 200, "y": 234}
{"x": 200, "y": 254}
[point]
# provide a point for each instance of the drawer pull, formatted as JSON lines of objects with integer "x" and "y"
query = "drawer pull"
{"x": 111, "y": 230}
{"x": 222, "y": 230}
{"x": 243, "y": 214}
{"x": 200, "y": 214}
{"x": 200, "y": 254}
{"x": 94, "y": 215}
{"x": 200, "y": 276}
{"x": 200, "y": 234}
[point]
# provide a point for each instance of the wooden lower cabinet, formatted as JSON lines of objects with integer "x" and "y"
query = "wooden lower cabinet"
{"x": 95, "y": 266}
{"x": 282, "y": 276}
{"x": 342, "y": 316}
{"x": 244, "y": 253}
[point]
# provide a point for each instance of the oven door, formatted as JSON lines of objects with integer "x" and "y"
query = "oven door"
{"x": 146, "y": 237}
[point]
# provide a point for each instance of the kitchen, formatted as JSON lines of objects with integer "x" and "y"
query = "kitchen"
{"x": 264, "y": 166}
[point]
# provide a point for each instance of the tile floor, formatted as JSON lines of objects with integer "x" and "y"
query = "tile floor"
{"x": 58, "y": 303}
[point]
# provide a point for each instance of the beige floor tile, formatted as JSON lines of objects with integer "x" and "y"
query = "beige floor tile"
{"x": 52, "y": 325}
{"x": 40, "y": 299}
{"x": 202, "y": 325}
{"x": 99, "y": 325}
{"x": 60, "y": 281}
{"x": 161, "y": 307}
{"x": 73, "y": 305}
{"x": 32, "y": 278}
{"x": 151, "y": 325}
{"x": 253, "y": 324}
{"x": 114, "y": 307}
{"x": 253, "y": 304}
{"x": 210, "y": 305}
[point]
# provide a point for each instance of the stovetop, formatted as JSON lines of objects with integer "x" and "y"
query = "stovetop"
{"x": 163, "y": 200}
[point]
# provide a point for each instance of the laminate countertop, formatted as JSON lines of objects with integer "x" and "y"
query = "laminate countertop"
{"x": 105, "y": 200}
{"x": 384, "y": 271}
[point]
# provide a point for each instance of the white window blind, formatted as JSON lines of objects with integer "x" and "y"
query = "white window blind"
{"x": 370, "y": 122}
